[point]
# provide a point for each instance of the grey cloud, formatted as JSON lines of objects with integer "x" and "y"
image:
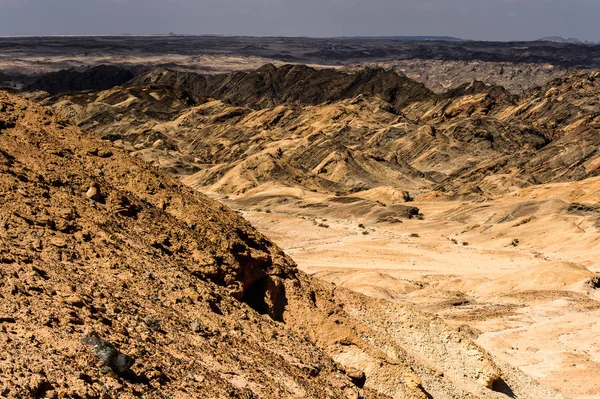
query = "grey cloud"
{"x": 475, "y": 19}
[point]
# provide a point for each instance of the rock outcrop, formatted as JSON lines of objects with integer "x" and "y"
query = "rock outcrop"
{"x": 102, "y": 77}
{"x": 291, "y": 85}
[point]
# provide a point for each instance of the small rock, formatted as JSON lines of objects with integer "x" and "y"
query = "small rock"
{"x": 195, "y": 326}
{"x": 52, "y": 394}
{"x": 58, "y": 242}
{"x": 114, "y": 386}
{"x": 111, "y": 358}
{"x": 94, "y": 193}
{"x": 151, "y": 323}
{"x": 192, "y": 294}
{"x": 155, "y": 375}
{"x": 75, "y": 320}
{"x": 74, "y": 300}
{"x": 357, "y": 377}
{"x": 83, "y": 377}
{"x": 83, "y": 236}
{"x": 36, "y": 244}
{"x": 105, "y": 154}
{"x": 64, "y": 226}
{"x": 42, "y": 273}
{"x": 312, "y": 370}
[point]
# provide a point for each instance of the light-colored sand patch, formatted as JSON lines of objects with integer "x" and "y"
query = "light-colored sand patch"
{"x": 518, "y": 270}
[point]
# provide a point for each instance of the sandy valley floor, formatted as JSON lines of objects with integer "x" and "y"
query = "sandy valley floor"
{"x": 519, "y": 271}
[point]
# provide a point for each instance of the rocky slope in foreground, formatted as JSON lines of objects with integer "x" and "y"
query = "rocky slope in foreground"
{"x": 116, "y": 281}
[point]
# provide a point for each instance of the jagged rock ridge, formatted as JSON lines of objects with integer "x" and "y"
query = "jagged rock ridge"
{"x": 291, "y": 84}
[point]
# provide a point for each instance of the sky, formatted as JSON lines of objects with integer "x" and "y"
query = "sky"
{"x": 502, "y": 20}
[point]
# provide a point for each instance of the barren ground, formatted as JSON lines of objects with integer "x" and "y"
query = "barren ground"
{"x": 531, "y": 304}
{"x": 515, "y": 272}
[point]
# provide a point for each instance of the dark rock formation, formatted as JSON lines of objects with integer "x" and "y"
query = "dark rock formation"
{"x": 292, "y": 84}
{"x": 97, "y": 78}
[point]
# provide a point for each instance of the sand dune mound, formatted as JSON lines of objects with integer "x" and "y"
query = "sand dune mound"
{"x": 371, "y": 283}
{"x": 557, "y": 276}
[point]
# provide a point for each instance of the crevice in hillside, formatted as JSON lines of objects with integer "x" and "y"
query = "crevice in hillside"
{"x": 501, "y": 386}
{"x": 267, "y": 296}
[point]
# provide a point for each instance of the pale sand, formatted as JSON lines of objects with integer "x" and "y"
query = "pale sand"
{"x": 530, "y": 305}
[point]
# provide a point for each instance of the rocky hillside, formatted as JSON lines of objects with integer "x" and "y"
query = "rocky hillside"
{"x": 101, "y": 77}
{"x": 443, "y": 75}
{"x": 372, "y": 129}
{"x": 292, "y": 85}
{"x": 117, "y": 281}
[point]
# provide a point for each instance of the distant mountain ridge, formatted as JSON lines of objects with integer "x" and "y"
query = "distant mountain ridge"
{"x": 416, "y": 38}
{"x": 560, "y": 39}
{"x": 89, "y": 51}
{"x": 270, "y": 86}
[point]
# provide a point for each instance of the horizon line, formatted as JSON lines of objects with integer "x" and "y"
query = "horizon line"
{"x": 384, "y": 37}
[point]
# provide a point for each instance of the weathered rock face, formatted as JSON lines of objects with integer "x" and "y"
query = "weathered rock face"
{"x": 291, "y": 84}
{"x": 146, "y": 288}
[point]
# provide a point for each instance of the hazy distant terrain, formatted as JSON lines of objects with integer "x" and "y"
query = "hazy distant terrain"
{"x": 330, "y": 51}
{"x": 22, "y": 57}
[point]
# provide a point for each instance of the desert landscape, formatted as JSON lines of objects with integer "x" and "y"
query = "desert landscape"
{"x": 206, "y": 216}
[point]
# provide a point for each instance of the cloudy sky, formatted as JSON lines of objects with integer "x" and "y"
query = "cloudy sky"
{"x": 471, "y": 19}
